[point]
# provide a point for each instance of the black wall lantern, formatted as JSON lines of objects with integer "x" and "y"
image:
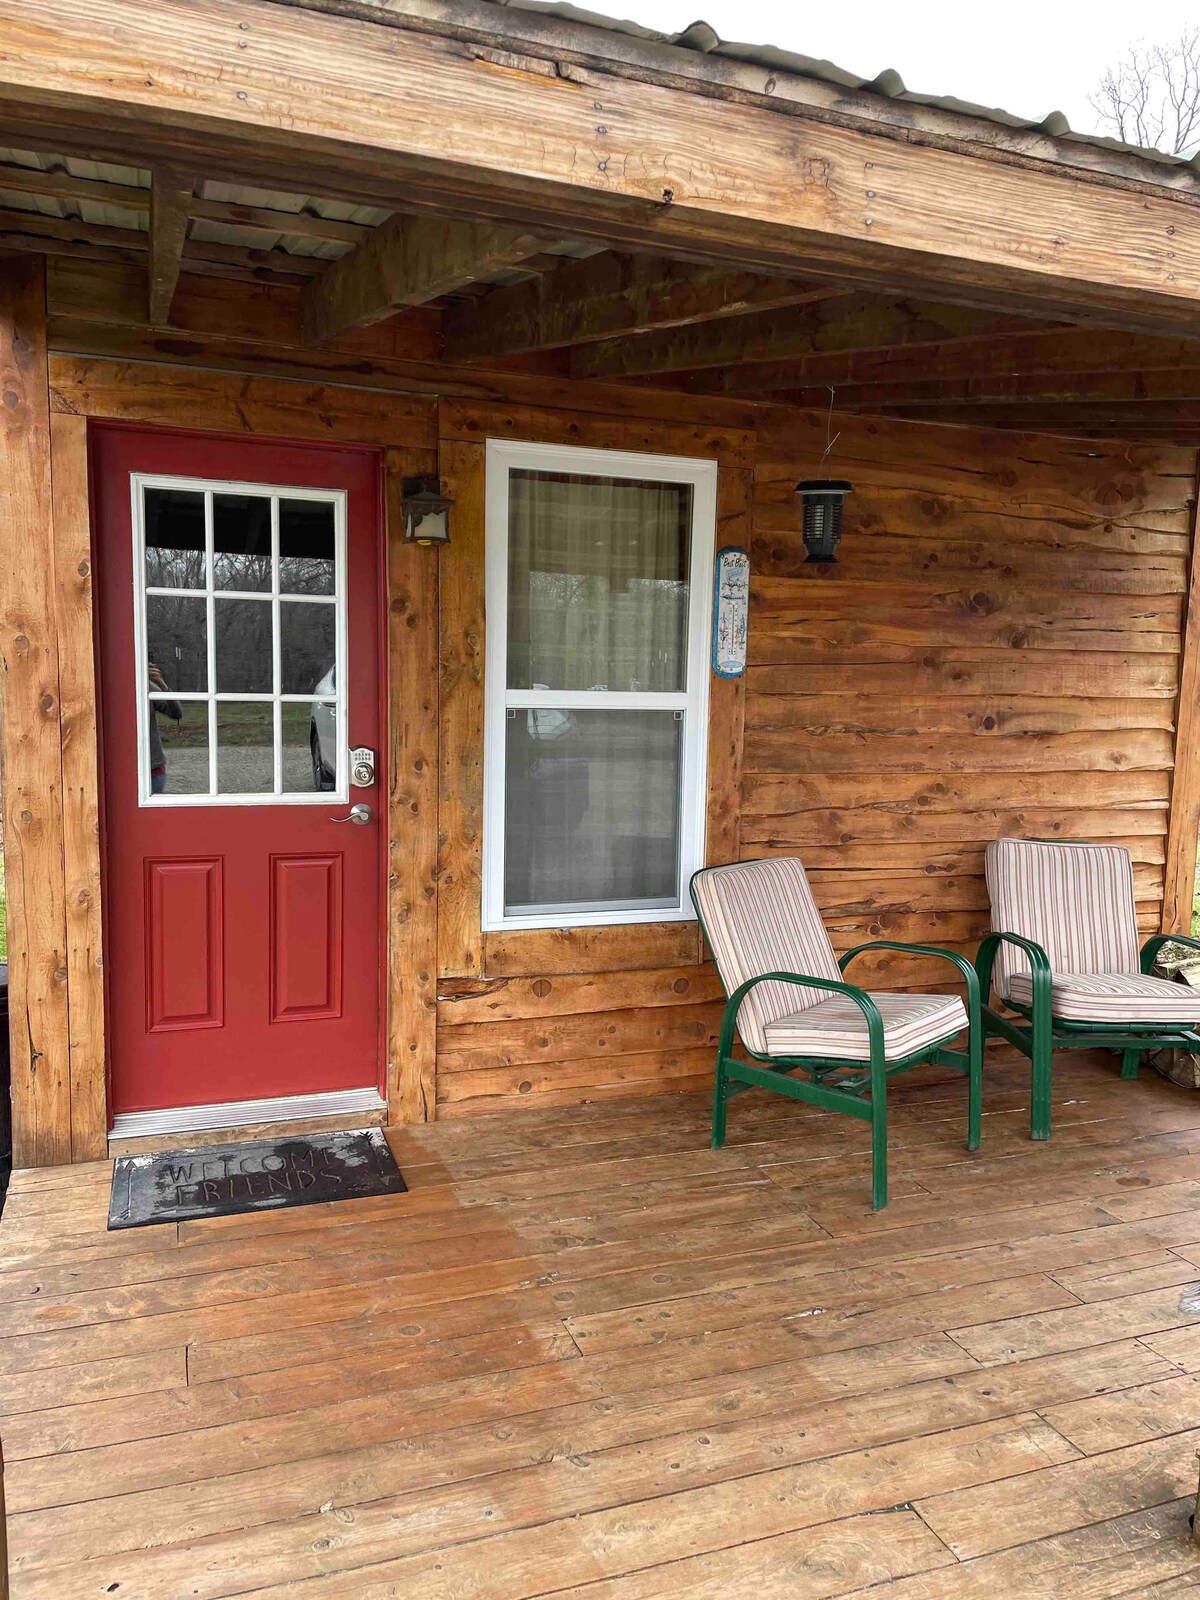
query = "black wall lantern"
{"x": 821, "y": 501}
{"x": 426, "y": 511}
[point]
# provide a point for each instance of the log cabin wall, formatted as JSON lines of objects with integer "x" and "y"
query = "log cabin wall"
{"x": 998, "y": 649}
{"x": 553, "y": 1016}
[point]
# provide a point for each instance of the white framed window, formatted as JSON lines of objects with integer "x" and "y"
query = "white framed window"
{"x": 239, "y": 613}
{"x": 599, "y": 600}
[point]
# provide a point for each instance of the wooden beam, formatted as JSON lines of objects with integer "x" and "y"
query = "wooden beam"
{"x": 1183, "y": 821}
{"x": 304, "y": 224}
{"x": 353, "y": 109}
{"x": 407, "y": 261}
{"x": 461, "y": 714}
{"x": 412, "y": 612}
{"x": 1176, "y": 419}
{"x": 80, "y": 784}
{"x": 71, "y": 229}
{"x": 1134, "y": 389}
{"x": 30, "y": 724}
{"x": 94, "y": 241}
{"x": 853, "y": 323}
{"x": 60, "y": 184}
{"x": 170, "y": 206}
{"x": 611, "y": 294}
{"x": 1046, "y": 351}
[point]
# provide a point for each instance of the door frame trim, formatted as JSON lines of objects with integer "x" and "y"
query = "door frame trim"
{"x": 378, "y": 1108}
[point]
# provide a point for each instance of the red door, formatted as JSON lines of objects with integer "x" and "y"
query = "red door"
{"x": 239, "y": 656}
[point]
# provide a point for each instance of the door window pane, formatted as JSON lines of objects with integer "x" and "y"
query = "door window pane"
{"x": 598, "y": 582}
{"x": 244, "y": 646}
{"x": 592, "y": 809}
{"x": 174, "y": 524}
{"x": 306, "y": 547}
{"x": 177, "y": 746}
{"x": 241, "y": 541}
{"x": 245, "y": 747}
{"x": 307, "y": 645}
{"x": 176, "y": 643}
{"x": 309, "y": 746}
{"x": 271, "y": 706}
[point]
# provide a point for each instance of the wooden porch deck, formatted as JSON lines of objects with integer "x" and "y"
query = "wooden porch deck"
{"x": 587, "y": 1357}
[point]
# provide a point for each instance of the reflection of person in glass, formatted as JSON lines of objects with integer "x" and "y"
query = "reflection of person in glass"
{"x": 159, "y": 708}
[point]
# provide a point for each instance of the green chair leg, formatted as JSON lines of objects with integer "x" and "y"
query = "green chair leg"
{"x": 1041, "y": 1056}
{"x": 720, "y": 1105}
{"x": 879, "y": 1162}
{"x": 975, "y": 1088}
{"x": 1129, "y": 1061}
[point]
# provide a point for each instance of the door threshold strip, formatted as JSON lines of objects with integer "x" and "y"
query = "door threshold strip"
{"x": 243, "y": 1113}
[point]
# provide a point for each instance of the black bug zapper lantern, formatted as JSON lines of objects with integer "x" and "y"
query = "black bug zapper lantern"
{"x": 821, "y": 503}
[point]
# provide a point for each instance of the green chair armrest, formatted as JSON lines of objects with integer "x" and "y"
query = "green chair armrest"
{"x": 861, "y": 999}
{"x": 966, "y": 971}
{"x": 1155, "y": 943}
{"x": 1039, "y": 963}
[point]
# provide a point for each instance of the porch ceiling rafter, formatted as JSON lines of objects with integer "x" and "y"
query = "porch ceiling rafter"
{"x": 170, "y": 202}
{"x": 397, "y": 118}
{"x": 857, "y": 322}
{"x": 1132, "y": 387}
{"x": 1178, "y": 420}
{"x": 58, "y": 183}
{"x": 610, "y": 295}
{"x": 1040, "y": 353}
{"x": 407, "y": 261}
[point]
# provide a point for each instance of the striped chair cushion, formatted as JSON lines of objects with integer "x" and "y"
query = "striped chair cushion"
{"x": 760, "y": 916}
{"x": 837, "y": 1028}
{"x": 1075, "y": 900}
{"x": 1111, "y": 997}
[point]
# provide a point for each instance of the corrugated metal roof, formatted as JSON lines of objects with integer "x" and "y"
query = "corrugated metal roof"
{"x": 700, "y": 37}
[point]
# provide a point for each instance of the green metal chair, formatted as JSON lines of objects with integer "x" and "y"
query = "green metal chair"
{"x": 1064, "y": 959}
{"x": 817, "y": 1037}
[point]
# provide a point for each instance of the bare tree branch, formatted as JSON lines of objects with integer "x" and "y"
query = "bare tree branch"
{"x": 1152, "y": 96}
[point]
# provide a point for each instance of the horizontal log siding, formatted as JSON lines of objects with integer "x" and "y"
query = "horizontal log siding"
{"x": 996, "y": 651}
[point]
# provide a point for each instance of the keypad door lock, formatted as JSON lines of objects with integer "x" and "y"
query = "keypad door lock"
{"x": 362, "y": 767}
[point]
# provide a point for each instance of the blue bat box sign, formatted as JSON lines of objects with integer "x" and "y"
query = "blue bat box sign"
{"x": 731, "y": 612}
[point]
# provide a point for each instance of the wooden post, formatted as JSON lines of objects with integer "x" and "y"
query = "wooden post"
{"x": 1183, "y": 825}
{"x": 80, "y": 784}
{"x": 460, "y": 716}
{"x": 412, "y": 580}
{"x": 32, "y": 753}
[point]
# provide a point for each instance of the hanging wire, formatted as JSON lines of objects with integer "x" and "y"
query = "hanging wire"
{"x": 829, "y": 442}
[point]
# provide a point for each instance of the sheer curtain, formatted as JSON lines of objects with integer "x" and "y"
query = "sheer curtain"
{"x": 597, "y": 582}
{"x": 598, "y": 601}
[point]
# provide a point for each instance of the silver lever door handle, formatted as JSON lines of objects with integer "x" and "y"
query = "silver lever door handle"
{"x": 361, "y": 813}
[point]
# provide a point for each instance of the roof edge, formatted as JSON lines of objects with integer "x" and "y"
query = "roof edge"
{"x": 698, "y": 61}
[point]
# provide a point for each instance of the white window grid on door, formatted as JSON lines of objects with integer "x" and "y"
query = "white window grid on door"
{"x": 690, "y": 704}
{"x": 211, "y": 697}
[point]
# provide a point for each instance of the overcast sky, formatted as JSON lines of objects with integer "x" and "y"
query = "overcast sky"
{"x": 1028, "y": 56}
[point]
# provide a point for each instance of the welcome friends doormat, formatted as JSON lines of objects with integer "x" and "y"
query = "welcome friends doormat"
{"x": 263, "y": 1175}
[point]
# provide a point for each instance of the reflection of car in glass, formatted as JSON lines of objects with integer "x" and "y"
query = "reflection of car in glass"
{"x": 322, "y": 733}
